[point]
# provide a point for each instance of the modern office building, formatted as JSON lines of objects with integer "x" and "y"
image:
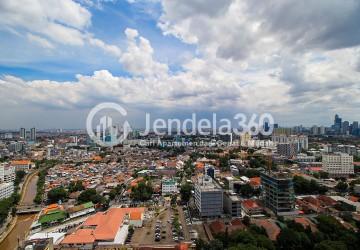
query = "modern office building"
{"x": 23, "y": 133}
{"x": 355, "y": 128}
{"x": 338, "y": 164}
{"x": 287, "y": 149}
{"x": 279, "y": 193}
{"x": 208, "y": 197}
{"x": 232, "y": 204}
{"x": 345, "y": 127}
{"x": 33, "y": 134}
{"x": 337, "y": 124}
{"x": 6, "y": 190}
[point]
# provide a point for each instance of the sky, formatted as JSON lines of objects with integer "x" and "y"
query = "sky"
{"x": 298, "y": 60}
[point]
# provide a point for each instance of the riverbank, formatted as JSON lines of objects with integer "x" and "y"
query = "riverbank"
{"x": 10, "y": 226}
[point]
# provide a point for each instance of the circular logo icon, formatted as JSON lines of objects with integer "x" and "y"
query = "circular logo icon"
{"x": 106, "y": 133}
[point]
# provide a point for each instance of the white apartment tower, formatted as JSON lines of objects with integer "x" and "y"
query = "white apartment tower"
{"x": 338, "y": 164}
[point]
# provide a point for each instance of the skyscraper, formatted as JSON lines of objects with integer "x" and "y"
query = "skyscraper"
{"x": 337, "y": 123}
{"x": 355, "y": 128}
{"x": 33, "y": 134}
{"x": 22, "y": 133}
{"x": 279, "y": 193}
{"x": 345, "y": 127}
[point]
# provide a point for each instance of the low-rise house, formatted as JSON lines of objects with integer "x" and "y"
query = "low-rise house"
{"x": 306, "y": 223}
{"x": 251, "y": 208}
{"x": 24, "y": 165}
{"x": 271, "y": 228}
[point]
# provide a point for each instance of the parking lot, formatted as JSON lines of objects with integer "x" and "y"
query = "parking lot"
{"x": 166, "y": 228}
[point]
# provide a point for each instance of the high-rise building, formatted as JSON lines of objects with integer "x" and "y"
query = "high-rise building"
{"x": 338, "y": 164}
{"x": 33, "y": 134}
{"x": 282, "y": 131}
{"x": 345, "y": 127}
{"x": 301, "y": 141}
{"x": 322, "y": 130}
{"x": 208, "y": 197}
{"x": 22, "y": 133}
{"x": 279, "y": 193}
{"x": 315, "y": 130}
{"x": 266, "y": 127}
{"x": 232, "y": 204}
{"x": 355, "y": 128}
{"x": 287, "y": 149}
{"x": 16, "y": 146}
{"x": 337, "y": 124}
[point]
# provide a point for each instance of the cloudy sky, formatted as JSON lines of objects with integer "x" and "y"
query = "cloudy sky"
{"x": 298, "y": 60}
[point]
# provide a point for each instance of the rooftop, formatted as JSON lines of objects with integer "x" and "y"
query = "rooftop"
{"x": 103, "y": 226}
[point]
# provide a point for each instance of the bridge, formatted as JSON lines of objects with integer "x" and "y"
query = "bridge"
{"x": 28, "y": 209}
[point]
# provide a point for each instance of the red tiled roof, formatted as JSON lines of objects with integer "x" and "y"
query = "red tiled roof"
{"x": 353, "y": 198}
{"x": 305, "y": 222}
{"x": 250, "y": 204}
{"x": 20, "y": 162}
{"x": 217, "y": 227}
{"x": 135, "y": 215}
{"x": 255, "y": 181}
{"x": 106, "y": 224}
{"x": 272, "y": 230}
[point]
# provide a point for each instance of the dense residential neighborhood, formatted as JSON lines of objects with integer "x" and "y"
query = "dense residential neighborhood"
{"x": 235, "y": 196}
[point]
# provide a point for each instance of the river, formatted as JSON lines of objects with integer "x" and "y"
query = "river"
{"x": 24, "y": 221}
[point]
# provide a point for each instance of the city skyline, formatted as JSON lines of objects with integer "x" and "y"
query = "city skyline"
{"x": 171, "y": 58}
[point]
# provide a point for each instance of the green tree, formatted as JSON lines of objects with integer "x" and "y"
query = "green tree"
{"x": 57, "y": 194}
{"x": 247, "y": 190}
{"x": 324, "y": 175}
{"x": 185, "y": 192}
{"x": 292, "y": 240}
{"x": 224, "y": 163}
{"x": 142, "y": 192}
{"x": 90, "y": 195}
{"x": 342, "y": 187}
{"x": 75, "y": 186}
{"x": 330, "y": 245}
{"x": 19, "y": 176}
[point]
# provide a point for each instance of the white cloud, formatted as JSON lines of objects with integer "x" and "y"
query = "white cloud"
{"x": 40, "y": 41}
{"x": 264, "y": 57}
{"x": 64, "y": 22}
{"x": 138, "y": 59}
